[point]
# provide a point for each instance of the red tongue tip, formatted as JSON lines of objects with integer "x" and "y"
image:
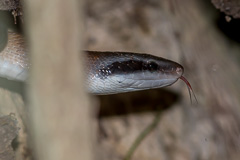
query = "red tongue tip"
{"x": 186, "y": 81}
{"x": 190, "y": 90}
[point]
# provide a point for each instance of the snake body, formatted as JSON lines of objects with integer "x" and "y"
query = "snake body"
{"x": 14, "y": 60}
{"x": 108, "y": 72}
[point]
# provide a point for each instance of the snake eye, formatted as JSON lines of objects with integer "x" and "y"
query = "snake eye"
{"x": 152, "y": 66}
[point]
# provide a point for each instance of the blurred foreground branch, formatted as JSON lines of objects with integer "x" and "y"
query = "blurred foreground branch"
{"x": 59, "y": 108}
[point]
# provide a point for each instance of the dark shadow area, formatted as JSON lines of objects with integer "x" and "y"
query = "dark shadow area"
{"x": 14, "y": 86}
{"x": 230, "y": 29}
{"x": 136, "y": 102}
{"x": 6, "y": 18}
{"x": 154, "y": 101}
{"x": 15, "y": 143}
{"x": 7, "y": 21}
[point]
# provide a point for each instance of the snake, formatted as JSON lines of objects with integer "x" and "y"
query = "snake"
{"x": 107, "y": 72}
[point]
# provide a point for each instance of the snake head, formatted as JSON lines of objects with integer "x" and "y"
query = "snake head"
{"x": 125, "y": 72}
{"x": 151, "y": 72}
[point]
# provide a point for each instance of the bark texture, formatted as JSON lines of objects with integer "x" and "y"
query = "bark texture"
{"x": 8, "y": 131}
{"x": 10, "y": 4}
{"x": 229, "y": 7}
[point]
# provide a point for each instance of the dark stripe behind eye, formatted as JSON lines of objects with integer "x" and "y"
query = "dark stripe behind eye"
{"x": 127, "y": 67}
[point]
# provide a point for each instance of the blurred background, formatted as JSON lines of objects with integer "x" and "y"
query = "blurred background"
{"x": 198, "y": 36}
{"x": 204, "y": 37}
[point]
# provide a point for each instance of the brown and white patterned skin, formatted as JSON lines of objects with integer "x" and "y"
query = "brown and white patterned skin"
{"x": 14, "y": 60}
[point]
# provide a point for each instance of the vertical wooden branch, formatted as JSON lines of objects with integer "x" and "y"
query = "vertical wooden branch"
{"x": 59, "y": 107}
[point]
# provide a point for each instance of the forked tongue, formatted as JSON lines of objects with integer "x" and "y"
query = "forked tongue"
{"x": 190, "y": 90}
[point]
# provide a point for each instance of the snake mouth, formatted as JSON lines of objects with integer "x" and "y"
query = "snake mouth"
{"x": 143, "y": 80}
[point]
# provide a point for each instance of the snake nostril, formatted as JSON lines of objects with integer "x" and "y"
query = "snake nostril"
{"x": 179, "y": 70}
